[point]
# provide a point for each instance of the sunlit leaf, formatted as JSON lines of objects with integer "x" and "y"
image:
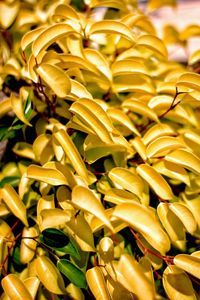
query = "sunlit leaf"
{"x": 154, "y": 44}
{"x": 49, "y": 275}
{"x": 190, "y": 31}
{"x": 15, "y": 288}
{"x": 155, "y": 4}
{"x": 97, "y": 283}
{"x": 186, "y": 217}
{"x": 49, "y": 36}
{"x": 156, "y": 181}
{"x": 141, "y": 286}
{"x": 189, "y": 80}
{"x": 82, "y": 233}
{"x": 50, "y": 176}
{"x": 55, "y": 78}
{"x": 141, "y": 219}
{"x": 140, "y": 108}
{"x": 127, "y": 180}
{"x": 177, "y": 284}
{"x": 83, "y": 198}
{"x": 194, "y": 57}
{"x": 185, "y": 159}
{"x": 188, "y": 263}
{"x": 162, "y": 145}
{"x": 111, "y": 26}
{"x": 172, "y": 225}
{"x": 8, "y": 13}
{"x": 14, "y": 203}
{"x": 89, "y": 116}
{"x": 72, "y": 153}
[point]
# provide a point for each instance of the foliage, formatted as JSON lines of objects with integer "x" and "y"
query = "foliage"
{"x": 100, "y": 177}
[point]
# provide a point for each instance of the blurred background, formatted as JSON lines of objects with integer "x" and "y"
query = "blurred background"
{"x": 187, "y": 12}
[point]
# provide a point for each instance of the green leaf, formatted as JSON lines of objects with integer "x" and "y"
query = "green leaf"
{"x": 70, "y": 249}
{"x": 74, "y": 274}
{"x": 3, "y": 132}
{"x": 13, "y": 180}
{"x": 54, "y": 238}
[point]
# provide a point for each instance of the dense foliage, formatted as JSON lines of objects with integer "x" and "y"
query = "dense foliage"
{"x": 100, "y": 154}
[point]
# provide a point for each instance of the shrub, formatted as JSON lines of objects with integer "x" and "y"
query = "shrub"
{"x": 100, "y": 154}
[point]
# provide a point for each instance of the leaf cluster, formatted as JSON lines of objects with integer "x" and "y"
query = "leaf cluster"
{"x": 100, "y": 171}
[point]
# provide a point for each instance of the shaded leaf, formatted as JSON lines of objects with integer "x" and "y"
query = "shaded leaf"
{"x": 74, "y": 274}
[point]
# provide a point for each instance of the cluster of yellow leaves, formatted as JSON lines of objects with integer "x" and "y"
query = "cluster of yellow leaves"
{"x": 115, "y": 98}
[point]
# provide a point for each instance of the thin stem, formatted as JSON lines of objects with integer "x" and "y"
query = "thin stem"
{"x": 173, "y": 104}
{"x": 166, "y": 259}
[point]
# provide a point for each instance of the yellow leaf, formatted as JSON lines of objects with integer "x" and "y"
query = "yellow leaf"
{"x": 65, "y": 170}
{"x": 55, "y": 78}
{"x": 188, "y": 263}
{"x": 118, "y": 196}
{"x": 49, "y": 36}
{"x": 83, "y": 198}
{"x": 32, "y": 284}
{"x": 185, "y": 159}
{"x": 97, "y": 283}
{"x": 140, "y": 285}
{"x": 49, "y": 275}
{"x": 74, "y": 61}
{"x": 94, "y": 148}
{"x": 75, "y": 292}
{"x": 53, "y": 217}
{"x": 156, "y": 4}
{"x": 194, "y": 57}
{"x": 78, "y": 90}
{"x": 157, "y": 131}
{"x": 72, "y": 153}
{"x": 108, "y": 3}
{"x": 139, "y": 146}
{"x": 119, "y": 117}
{"x": 106, "y": 249}
{"x": 127, "y": 180}
{"x": 162, "y": 145}
{"x": 177, "y": 284}
{"x": 134, "y": 83}
{"x": 141, "y": 108}
{"x": 14, "y": 288}
{"x": 40, "y": 144}
{"x": 189, "y": 80}
{"x": 30, "y": 36}
{"x": 8, "y": 13}
{"x": 154, "y": 44}
{"x": 156, "y": 181}
{"x": 28, "y": 245}
{"x": 111, "y": 26}
{"x": 79, "y": 228}
{"x": 142, "y": 220}
{"x": 65, "y": 11}
{"x": 172, "y": 170}
{"x": 128, "y": 66}
{"x": 93, "y": 118}
{"x": 18, "y": 108}
{"x": 185, "y": 215}
{"x": 100, "y": 62}
{"x": 24, "y": 149}
{"x": 5, "y": 106}
{"x": 47, "y": 175}
{"x": 14, "y": 203}
{"x": 189, "y": 31}
{"x": 172, "y": 225}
